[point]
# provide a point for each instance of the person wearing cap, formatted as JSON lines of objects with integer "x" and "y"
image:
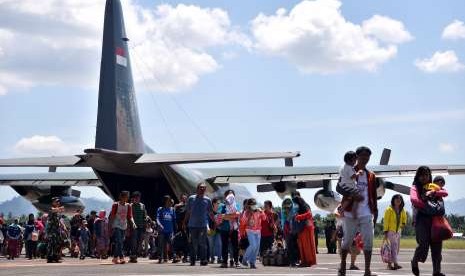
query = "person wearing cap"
{"x": 84, "y": 237}
{"x": 54, "y": 240}
{"x": 120, "y": 216}
{"x": 139, "y": 213}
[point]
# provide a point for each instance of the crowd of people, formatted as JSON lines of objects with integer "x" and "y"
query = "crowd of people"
{"x": 198, "y": 228}
{"x": 234, "y": 234}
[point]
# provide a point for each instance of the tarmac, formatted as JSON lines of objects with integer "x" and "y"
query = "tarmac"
{"x": 453, "y": 264}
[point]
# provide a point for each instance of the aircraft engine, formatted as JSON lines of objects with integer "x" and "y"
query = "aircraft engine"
{"x": 282, "y": 188}
{"x": 327, "y": 200}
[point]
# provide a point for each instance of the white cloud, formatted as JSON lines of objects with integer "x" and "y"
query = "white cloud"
{"x": 447, "y": 147}
{"x": 58, "y": 43}
{"x": 440, "y": 62}
{"x": 386, "y": 29}
{"x": 316, "y": 37}
{"x": 46, "y": 145}
{"x": 455, "y": 30}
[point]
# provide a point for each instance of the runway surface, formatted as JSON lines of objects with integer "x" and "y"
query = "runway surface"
{"x": 453, "y": 264}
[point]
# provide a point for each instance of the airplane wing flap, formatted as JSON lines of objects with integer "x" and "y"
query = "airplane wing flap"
{"x": 186, "y": 158}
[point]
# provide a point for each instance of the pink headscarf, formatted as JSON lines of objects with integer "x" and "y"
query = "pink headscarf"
{"x": 102, "y": 214}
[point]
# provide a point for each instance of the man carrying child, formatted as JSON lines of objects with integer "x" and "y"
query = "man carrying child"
{"x": 364, "y": 216}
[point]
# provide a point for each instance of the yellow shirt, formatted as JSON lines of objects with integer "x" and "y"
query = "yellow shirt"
{"x": 432, "y": 187}
{"x": 390, "y": 220}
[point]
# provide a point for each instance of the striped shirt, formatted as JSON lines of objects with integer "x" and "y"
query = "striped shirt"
{"x": 139, "y": 214}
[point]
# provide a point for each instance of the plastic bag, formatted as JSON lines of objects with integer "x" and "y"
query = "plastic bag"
{"x": 386, "y": 251}
{"x": 440, "y": 229}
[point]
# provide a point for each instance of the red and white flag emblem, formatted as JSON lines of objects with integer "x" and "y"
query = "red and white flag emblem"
{"x": 121, "y": 57}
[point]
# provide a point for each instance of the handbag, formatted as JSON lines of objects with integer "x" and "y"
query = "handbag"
{"x": 440, "y": 229}
{"x": 386, "y": 251}
{"x": 433, "y": 208}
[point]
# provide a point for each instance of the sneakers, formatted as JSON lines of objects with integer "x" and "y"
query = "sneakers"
{"x": 252, "y": 266}
{"x": 224, "y": 265}
{"x": 244, "y": 263}
{"x": 353, "y": 267}
{"x": 203, "y": 263}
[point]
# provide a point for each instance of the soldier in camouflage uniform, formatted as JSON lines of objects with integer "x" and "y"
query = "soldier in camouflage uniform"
{"x": 54, "y": 241}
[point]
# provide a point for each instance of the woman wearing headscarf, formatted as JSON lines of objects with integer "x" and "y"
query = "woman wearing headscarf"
{"x": 287, "y": 215}
{"x": 419, "y": 197}
{"x": 306, "y": 232}
{"x": 31, "y": 236}
{"x": 102, "y": 235}
{"x": 228, "y": 218}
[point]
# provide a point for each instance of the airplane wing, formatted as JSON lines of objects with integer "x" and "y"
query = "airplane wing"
{"x": 310, "y": 177}
{"x": 53, "y": 161}
{"x": 50, "y": 179}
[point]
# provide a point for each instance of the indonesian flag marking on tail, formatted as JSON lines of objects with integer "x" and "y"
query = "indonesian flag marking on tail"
{"x": 120, "y": 57}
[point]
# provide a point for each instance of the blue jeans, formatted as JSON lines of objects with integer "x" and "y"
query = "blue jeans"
{"x": 198, "y": 237}
{"x": 118, "y": 240}
{"x": 83, "y": 247}
{"x": 214, "y": 243}
{"x": 251, "y": 253}
{"x": 165, "y": 239}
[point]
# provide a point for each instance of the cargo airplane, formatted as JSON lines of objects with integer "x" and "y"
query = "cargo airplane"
{"x": 122, "y": 161}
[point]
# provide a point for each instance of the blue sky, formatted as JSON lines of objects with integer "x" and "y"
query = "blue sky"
{"x": 248, "y": 95}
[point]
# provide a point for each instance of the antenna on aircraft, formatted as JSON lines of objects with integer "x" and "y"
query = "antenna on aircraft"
{"x": 385, "y": 157}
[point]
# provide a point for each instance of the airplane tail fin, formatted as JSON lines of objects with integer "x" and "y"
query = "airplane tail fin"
{"x": 118, "y": 126}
